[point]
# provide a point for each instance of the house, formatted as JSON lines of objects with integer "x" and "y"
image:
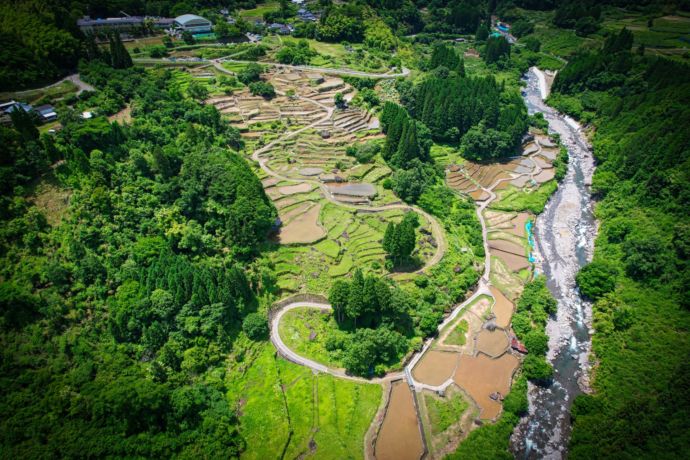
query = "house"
{"x": 281, "y": 29}
{"x": 305, "y": 15}
{"x": 46, "y": 112}
{"x": 163, "y": 23}
{"x": 6, "y": 108}
{"x": 11, "y": 106}
{"x": 89, "y": 25}
{"x": 193, "y": 24}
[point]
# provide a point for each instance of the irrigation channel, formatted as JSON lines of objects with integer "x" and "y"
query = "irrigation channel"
{"x": 564, "y": 237}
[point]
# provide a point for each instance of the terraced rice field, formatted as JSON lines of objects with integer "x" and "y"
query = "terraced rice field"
{"x": 346, "y": 238}
{"x": 534, "y": 167}
{"x": 436, "y": 367}
{"x": 481, "y": 376}
{"x": 399, "y": 437}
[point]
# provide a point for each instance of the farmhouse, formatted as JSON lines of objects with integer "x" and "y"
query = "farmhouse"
{"x": 46, "y": 112}
{"x": 281, "y": 29}
{"x": 193, "y": 24}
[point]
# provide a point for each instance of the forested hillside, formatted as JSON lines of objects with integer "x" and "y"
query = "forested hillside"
{"x": 117, "y": 318}
{"x": 639, "y": 278}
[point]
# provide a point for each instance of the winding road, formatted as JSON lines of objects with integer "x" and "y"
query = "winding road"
{"x": 436, "y": 228}
{"x": 482, "y": 289}
{"x": 218, "y": 64}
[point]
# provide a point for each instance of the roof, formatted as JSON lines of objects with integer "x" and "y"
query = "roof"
{"x": 18, "y": 105}
{"x": 86, "y": 21}
{"x": 185, "y": 18}
{"x": 45, "y": 109}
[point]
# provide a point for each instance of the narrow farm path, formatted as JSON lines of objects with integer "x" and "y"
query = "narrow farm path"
{"x": 436, "y": 228}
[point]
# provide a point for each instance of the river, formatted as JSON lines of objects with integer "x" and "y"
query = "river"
{"x": 564, "y": 236}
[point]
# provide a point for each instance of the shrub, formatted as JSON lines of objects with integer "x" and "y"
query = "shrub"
{"x": 255, "y": 325}
{"x": 537, "y": 369}
{"x": 597, "y": 279}
{"x": 261, "y": 88}
{"x": 250, "y": 73}
{"x": 537, "y": 342}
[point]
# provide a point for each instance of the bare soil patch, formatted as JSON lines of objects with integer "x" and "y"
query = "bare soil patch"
{"x": 399, "y": 437}
{"x": 519, "y": 222}
{"x": 513, "y": 261}
{"x": 292, "y": 189}
{"x": 310, "y": 171}
{"x": 507, "y": 246}
{"x": 481, "y": 376}
{"x": 493, "y": 343}
{"x": 520, "y": 181}
{"x": 545, "y": 176}
{"x": 435, "y": 367}
{"x": 304, "y": 228}
{"x": 503, "y": 308}
{"x": 123, "y": 116}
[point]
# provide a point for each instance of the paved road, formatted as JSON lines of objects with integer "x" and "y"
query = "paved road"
{"x": 327, "y": 70}
{"x": 83, "y": 86}
{"x": 74, "y": 78}
{"x": 218, "y": 64}
{"x": 483, "y": 289}
{"x": 436, "y": 228}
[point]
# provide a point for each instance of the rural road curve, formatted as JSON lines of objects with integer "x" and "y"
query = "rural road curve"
{"x": 482, "y": 289}
{"x": 347, "y": 72}
{"x": 74, "y": 78}
{"x": 217, "y": 63}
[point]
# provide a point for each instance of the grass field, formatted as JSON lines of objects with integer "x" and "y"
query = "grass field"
{"x": 258, "y": 12}
{"x": 457, "y": 337}
{"x": 668, "y": 35}
{"x": 444, "y": 411}
{"x": 32, "y": 96}
{"x": 513, "y": 199}
{"x": 304, "y": 330}
{"x": 287, "y": 411}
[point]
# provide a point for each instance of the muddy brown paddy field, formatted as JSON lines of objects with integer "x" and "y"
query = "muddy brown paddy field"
{"x": 400, "y": 437}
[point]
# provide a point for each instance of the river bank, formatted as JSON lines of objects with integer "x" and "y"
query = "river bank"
{"x": 564, "y": 238}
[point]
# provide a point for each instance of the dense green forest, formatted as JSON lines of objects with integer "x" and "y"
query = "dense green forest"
{"x": 639, "y": 277}
{"x": 133, "y": 301}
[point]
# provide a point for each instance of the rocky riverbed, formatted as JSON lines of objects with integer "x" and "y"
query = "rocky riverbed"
{"x": 564, "y": 237}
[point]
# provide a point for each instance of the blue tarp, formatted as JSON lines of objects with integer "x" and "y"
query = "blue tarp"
{"x": 530, "y": 239}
